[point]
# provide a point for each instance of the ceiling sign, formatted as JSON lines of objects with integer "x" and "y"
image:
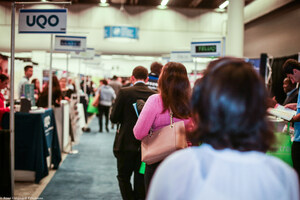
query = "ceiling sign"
{"x": 43, "y": 21}
{"x": 206, "y": 49}
{"x": 181, "y": 56}
{"x": 69, "y": 43}
{"x": 89, "y": 53}
{"x": 128, "y": 32}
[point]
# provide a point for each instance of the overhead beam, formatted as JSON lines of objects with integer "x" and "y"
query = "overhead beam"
{"x": 259, "y": 8}
{"x": 195, "y": 3}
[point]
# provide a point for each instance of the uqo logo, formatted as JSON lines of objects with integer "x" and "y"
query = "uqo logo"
{"x": 42, "y": 20}
{"x": 47, "y": 121}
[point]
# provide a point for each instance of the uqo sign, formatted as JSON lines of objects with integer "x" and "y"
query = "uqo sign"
{"x": 42, "y": 21}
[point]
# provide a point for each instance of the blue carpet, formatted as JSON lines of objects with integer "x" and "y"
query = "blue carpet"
{"x": 90, "y": 174}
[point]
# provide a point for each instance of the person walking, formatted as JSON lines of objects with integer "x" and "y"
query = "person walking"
{"x": 155, "y": 70}
{"x": 116, "y": 85}
{"x": 229, "y": 107}
{"x": 126, "y": 148}
{"x": 174, "y": 94}
{"x": 107, "y": 95}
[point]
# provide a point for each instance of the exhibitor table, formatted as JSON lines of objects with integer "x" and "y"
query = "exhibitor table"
{"x": 35, "y": 134}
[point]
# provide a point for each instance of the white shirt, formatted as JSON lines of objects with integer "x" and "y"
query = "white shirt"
{"x": 22, "y": 82}
{"x": 205, "y": 173}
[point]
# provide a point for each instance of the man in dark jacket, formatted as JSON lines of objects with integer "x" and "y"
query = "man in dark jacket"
{"x": 290, "y": 90}
{"x": 126, "y": 147}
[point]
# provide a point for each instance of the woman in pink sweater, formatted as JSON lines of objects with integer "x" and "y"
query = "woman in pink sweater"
{"x": 174, "y": 93}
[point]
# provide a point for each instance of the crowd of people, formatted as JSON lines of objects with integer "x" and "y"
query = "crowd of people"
{"x": 225, "y": 117}
{"x": 225, "y": 121}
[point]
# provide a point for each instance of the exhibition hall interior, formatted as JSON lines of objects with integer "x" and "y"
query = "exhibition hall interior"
{"x": 85, "y": 84}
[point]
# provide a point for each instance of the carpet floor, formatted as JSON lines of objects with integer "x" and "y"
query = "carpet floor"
{"x": 90, "y": 174}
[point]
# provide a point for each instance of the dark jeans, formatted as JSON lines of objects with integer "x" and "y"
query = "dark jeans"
{"x": 129, "y": 163}
{"x": 296, "y": 157}
{"x": 103, "y": 110}
{"x": 149, "y": 172}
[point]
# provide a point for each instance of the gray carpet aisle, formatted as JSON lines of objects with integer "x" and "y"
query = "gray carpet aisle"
{"x": 90, "y": 174}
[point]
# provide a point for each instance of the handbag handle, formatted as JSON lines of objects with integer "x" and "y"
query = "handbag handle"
{"x": 171, "y": 123}
{"x": 171, "y": 119}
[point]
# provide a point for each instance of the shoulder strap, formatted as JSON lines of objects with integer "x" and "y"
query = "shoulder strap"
{"x": 171, "y": 118}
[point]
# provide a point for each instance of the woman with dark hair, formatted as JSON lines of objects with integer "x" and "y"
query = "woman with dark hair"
{"x": 56, "y": 94}
{"x": 3, "y": 84}
{"x": 174, "y": 94}
{"x": 230, "y": 113}
{"x": 37, "y": 91}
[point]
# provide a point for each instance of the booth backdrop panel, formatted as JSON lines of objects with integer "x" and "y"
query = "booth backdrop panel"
{"x": 278, "y": 76}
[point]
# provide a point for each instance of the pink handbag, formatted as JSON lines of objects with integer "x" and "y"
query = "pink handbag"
{"x": 159, "y": 144}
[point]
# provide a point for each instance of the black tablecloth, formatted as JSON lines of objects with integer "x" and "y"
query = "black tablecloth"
{"x": 5, "y": 178}
{"x": 34, "y": 134}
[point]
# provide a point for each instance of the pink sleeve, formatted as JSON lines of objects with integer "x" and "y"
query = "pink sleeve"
{"x": 146, "y": 118}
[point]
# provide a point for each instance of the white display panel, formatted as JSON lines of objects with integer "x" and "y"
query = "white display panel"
{"x": 89, "y": 53}
{"x": 43, "y": 21}
{"x": 70, "y": 43}
{"x": 181, "y": 56}
{"x": 206, "y": 49}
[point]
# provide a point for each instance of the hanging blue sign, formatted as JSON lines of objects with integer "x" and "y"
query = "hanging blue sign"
{"x": 128, "y": 32}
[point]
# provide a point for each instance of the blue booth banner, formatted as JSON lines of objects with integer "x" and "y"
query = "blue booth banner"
{"x": 128, "y": 32}
{"x": 43, "y": 21}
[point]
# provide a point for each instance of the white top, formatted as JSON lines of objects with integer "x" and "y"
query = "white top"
{"x": 205, "y": 173}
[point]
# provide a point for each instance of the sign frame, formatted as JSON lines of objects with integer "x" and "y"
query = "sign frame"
{"x": 217, "y": 53}
{"x": 59, "y": 39}
{"x": 181, "y": 56}
{"x": 43, "y": 21}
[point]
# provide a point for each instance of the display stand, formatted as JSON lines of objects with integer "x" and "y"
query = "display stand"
{"x": 77, "y": 121}
{"x": 62, "y": 118}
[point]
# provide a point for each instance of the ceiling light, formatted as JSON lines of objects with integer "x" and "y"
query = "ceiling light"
{"x": 162, "y": 7}
{"x": 224, "y": 4}
{"x": 164, "y": 2}
{"x": 103, "y": 3}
